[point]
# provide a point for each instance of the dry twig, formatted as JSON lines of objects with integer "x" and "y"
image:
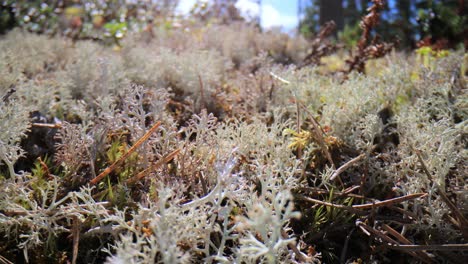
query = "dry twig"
{"x": 125, "y": 156}
{"x": 4, "y": 260}
{"x": 299, "y": 255}
{"x": 348, "y": 164}
{"x": 444, "y": 247}
{"x": 7, "y": 95}
{"x": 462, "y": 222}
{"x": 76, "y": 237}
{"x": 405, "y": 241}
{"x": 370, "y": 230}
{"x": 161, "y": 162}
{"x": 357, "y": 208}
{"x": 390, "y": 201}
{"x": 42, "y": 125}
{"x": 320, "y": 135}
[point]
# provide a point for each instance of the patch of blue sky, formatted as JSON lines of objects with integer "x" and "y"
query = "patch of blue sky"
{"x": 273, "y": 13}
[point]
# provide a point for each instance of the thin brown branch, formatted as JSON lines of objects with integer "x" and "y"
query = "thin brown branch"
{"x": 377, "y": 233}
{"x": 202, "y": 92}
{"x": 314, "y": 120}
{"x": 126, "y": 155}
{"x": 318, "y": 191}
{"x": 395, "y": 234}
{"x": 4, "y": 260}
{"x": 76, "y": 237}
{"x": 299, "y": 255}
{"x": 462, "y": 222}
{"x": 51, "y": 212}
{"x": 319, "y": 137}
{"x": 143, "y": 173}
{"x": 370, "y": 230}
{"x": 345, "y": 246}
{"x": 58, "y": 125}
{"x": 348, "y": 164}
{"x": 357, "y": 208}
{"x": 390, "y": 201}
{"x": 7, "y": 95}
{"x": 409, "y": 214}
{"x": 444, "y": 247}
{"x": 403, "y": 240}
{"x": 298, "y": 124}
{"x": 423, "y": 164}
{"x": 339, "y": 206}
{"x": 153, "y": 167}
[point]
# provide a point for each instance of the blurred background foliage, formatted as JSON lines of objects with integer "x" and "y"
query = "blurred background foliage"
{"x": 440, "y": 23}
{"x": 95, "y": 19}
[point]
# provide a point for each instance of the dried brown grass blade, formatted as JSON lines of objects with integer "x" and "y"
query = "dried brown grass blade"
{"x": 348, "y": 164}
{"x": 299, "y": 255}
{"x": 7, "y": 95}
{"x": 42, "y": 125}
{"x": 405, "y": 241}
{"x": 202, "y": 92}
{"x": 408, "y": 213}
{"x": 357, "y": 208}
{"x": 384, "y": 237}
{"x": 377, "y": 233}
{"x": 344, "y": 193}
{"x": 126, "y": 155}
{"x": 390, "y": 201}
{"x": 340, "y": 206}
{"x": 4, "y": 260}
{"x": 76, "y": 237}
{"x": 462, "y": 222}
{"x": 319, "y": 136}
{"x": 160, "y": 162}
{"x": 444, "y": 247}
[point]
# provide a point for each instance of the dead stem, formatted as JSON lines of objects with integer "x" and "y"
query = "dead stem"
{"x": 357, "y": 208}
{"x": 58, "y": 125}
{"x": 299, "y": 255}
{"x": 403, "y": 240}
{"x": 390, "y": 201}
{"x": 462, "y": 222}
{"x": 372, "y": 231}
{"x": 76, "y": 237}
{"x": 202, "y": 92}
{"x": 444, "y": 247}
{"x": 158, "y": 164}
{"x": 126, "y": 155}
{"x": 348, "y": 164}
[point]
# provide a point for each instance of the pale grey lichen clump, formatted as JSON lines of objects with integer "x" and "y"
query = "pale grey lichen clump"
{"x": 229, "y": 195}
{"x": 14, "y": 125}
